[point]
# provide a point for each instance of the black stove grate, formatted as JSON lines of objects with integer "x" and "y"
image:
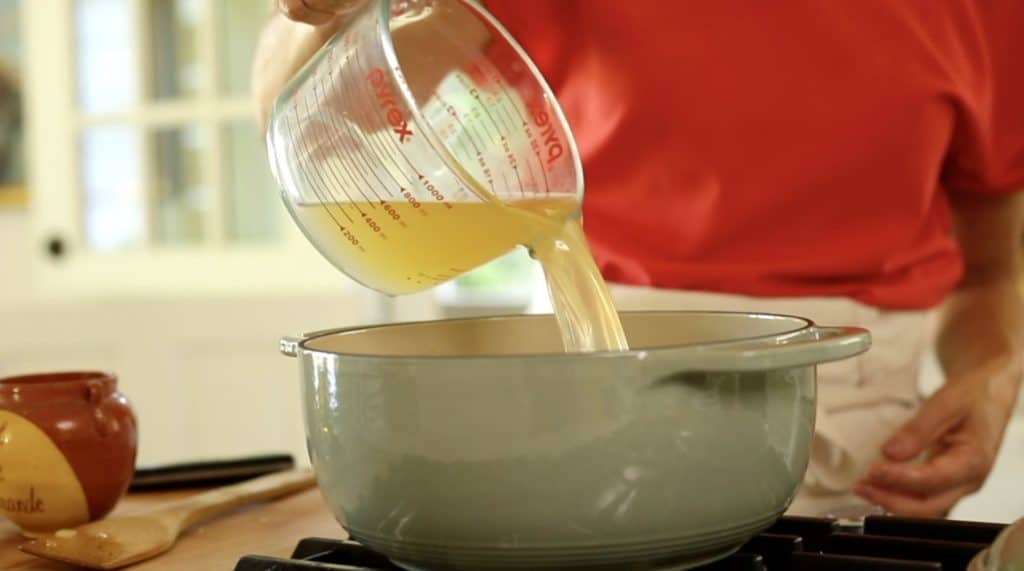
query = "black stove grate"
{"x": 881, "y": 543}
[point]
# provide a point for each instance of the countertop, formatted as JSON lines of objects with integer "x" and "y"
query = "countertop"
{"x": 275, "y": 528}
{"x": 272, "y": 528}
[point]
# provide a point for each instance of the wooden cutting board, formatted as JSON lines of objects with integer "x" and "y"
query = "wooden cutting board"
{"x": 273, "y": 528}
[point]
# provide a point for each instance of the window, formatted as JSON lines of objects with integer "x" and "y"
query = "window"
{"x": 150, "y": 174}
{"x": 166, "y": 143}
{"x": 167, "y": 150}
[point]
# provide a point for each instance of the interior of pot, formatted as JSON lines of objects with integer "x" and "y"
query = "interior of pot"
{"x": 538, "y": 334}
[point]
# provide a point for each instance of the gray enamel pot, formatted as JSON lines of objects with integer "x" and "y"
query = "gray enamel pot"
{"x": 477, "y": 444}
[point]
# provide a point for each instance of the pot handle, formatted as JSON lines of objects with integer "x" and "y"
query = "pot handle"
{"x": 818, "y": 344}
{"x": 289, "y": 346}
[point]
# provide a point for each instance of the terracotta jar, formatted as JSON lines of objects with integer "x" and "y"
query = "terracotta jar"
{"x": 67, "y": 448}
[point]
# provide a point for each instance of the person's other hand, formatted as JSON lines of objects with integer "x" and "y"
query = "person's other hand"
{"x": 317, "y": 12}
{"x": 960, "y": 427}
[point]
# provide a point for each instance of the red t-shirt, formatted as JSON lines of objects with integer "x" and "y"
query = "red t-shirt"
{"x": 797, "y": 148}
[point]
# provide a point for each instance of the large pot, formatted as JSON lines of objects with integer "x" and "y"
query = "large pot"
{"x": 477, "y": 444}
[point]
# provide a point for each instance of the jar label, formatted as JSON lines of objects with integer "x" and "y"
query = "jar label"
{"x": 39, "y": 491}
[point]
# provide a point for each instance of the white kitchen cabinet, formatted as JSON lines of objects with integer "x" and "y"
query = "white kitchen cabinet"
{"x": 204, "y": 376}
{"x": 156, "y": 245}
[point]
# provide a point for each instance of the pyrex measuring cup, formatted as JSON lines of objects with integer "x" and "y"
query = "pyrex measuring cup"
{"x": 410, "y": 146}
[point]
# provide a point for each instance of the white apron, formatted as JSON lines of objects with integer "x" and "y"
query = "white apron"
{"x": 861, "y": 401}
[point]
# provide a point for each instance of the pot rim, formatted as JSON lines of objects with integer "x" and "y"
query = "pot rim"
{"x": 806, "y": 344}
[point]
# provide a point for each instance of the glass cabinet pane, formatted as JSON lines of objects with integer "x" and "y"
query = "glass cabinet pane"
{"x": 180, "y": 194}
{"x": 12, "y": 115}
{"x": 105, "y": 55}
{"x": 10, "y": 36}
{"x": 252, "y": 202}
{"x": 112, "y": 191}
{"x": 241, "y": 22}
{"x": 176, "y": 67}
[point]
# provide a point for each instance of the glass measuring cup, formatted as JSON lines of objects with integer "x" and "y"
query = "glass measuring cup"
{"x": 419, "y": 143}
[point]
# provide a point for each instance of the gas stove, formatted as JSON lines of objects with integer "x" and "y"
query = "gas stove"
{"x": 876, "y": 543}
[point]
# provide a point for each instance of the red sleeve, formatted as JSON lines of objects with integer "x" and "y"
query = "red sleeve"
{"x": 537, "y": 25}
{"x": 987, "y": 152}
{"x": 1004, "y": 20}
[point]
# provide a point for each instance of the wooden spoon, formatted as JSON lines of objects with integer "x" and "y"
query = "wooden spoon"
{"x": 118, "y": 541}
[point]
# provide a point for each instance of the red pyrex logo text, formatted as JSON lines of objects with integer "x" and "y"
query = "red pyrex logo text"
{"x": 552, "y": 144}
{"x": 379, "y": 81}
